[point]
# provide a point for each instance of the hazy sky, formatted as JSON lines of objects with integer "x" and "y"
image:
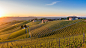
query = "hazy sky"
{"x": 42, "y": 7}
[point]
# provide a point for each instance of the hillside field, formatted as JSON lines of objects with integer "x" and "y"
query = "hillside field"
{"x": 53, "y": 34}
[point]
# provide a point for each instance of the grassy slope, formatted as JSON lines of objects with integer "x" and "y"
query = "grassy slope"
{"x": 77, "y": 28}
{"x": 9, "y": 24}
{"x": 4, "y": 35}
{"x": 44, "y": 42}
{"x": 33, "y": 23}
{"x": 38, "y": 26}
{"x": 6, "y": 31}
{"x": 60, "y": 33}
{"x": 21, "y": 33}
{"x": 49, "y": 27}
{"x": 14, "y": 26}
{"x": 18, "y": 34}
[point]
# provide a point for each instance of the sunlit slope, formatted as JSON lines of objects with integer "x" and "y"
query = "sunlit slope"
{"x": 14, "y": 26}
{"x": 33, "y": 23}
{"x": 36, "y": 26}
{"x": 74, "y": 29}
{"x": 17, "y": 33}
{"x": 84, "y": 45}
{"x": 49, "y": 27}
{"x": 4, "y": 36}
{"x": 23, "y": 36}
{"x": 45, "y": 42}
{"x": 39, "y": 30}
{"x": 10, "y": 28}
{"x": 10, "y": 31}
{"x": 51, "y": 40}
{"x": 22, "y": 33}
{"x": 4, "y": 25}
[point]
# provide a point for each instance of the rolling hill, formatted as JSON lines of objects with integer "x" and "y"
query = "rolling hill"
{"x": 48, "y": 35}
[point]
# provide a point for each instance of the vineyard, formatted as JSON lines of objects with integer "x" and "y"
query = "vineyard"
{"x": 53, "y": 34}
{"x": 49, "y": 28}
{"x": 9, "y": 28}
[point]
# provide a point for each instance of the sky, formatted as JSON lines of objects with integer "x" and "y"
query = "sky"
{"x": 24, "y": 8}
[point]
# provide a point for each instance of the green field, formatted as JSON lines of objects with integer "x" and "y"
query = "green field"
{"x": 53, "y": 34}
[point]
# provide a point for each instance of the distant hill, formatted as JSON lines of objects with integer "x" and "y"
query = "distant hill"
{"x": 8, "y": 19}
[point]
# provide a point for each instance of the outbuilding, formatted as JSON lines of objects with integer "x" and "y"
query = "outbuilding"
{"x": 44, "y": 21}
{"x": 73, "y": 18}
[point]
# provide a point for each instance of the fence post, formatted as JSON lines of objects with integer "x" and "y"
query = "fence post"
{"x": 64, "y": 40}
{"x": 26, "y": 30}
{"x": 40, "y": 45}
{"x": 69, "y": 42}
{"x": 35, "y": 45}
{"x": 21, "y": 46}
{"x": 56, "y": 41}
{"x": 59, "y": 42}
{"x": 11, "y": 43}
{"x": 45, "y": 44}
{"x": 49, "y": 44}
{"x": 29, "y": 32}
{"x": 83, "y": 37}
{"x": 7, "y": 44}
{"x": 73, "y": 39}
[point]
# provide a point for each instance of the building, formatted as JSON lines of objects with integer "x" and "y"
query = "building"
{"x": 44, "y": 21}
{"x": 34, "y": 20}
{"x": 73, "y": 18}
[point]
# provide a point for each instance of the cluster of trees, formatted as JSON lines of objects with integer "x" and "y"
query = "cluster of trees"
{"x": 65, "y": 18}
{"x": 24, "y": 26}
{"x": 52, "y": 19}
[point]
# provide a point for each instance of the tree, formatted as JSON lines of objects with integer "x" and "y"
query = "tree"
{"x": 25, "y": 26}
{"x": 35, "y": 19}
{"x": 22, "y": 26}
{"x": 62, "y": 18}
{"x": 42, "y": 18}
{"x": 67, "y": 18}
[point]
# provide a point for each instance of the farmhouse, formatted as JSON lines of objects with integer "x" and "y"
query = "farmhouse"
{"x": 73, "y": 18}
{"x": 44, "y": 21}
{"x": 34, "y": 20}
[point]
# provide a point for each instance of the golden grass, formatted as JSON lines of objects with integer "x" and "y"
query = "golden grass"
{"x": 17, "y": 33}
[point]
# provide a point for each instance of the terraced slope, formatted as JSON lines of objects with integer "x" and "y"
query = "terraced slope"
{"x": 36, "y": 26}
{"x": 51, "y": 40}
{"x": 13, "y": 27}
{"x": 33, "y": 23}
{"x": 74, "y": 29}
{"x": 15, "y": 32}
{"x": 45, "y": 42}
{"x": 49, "y": 27}
{"x": 9, "y": 24}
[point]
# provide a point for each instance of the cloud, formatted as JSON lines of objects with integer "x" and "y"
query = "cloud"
{"x": 53, "y": 3}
